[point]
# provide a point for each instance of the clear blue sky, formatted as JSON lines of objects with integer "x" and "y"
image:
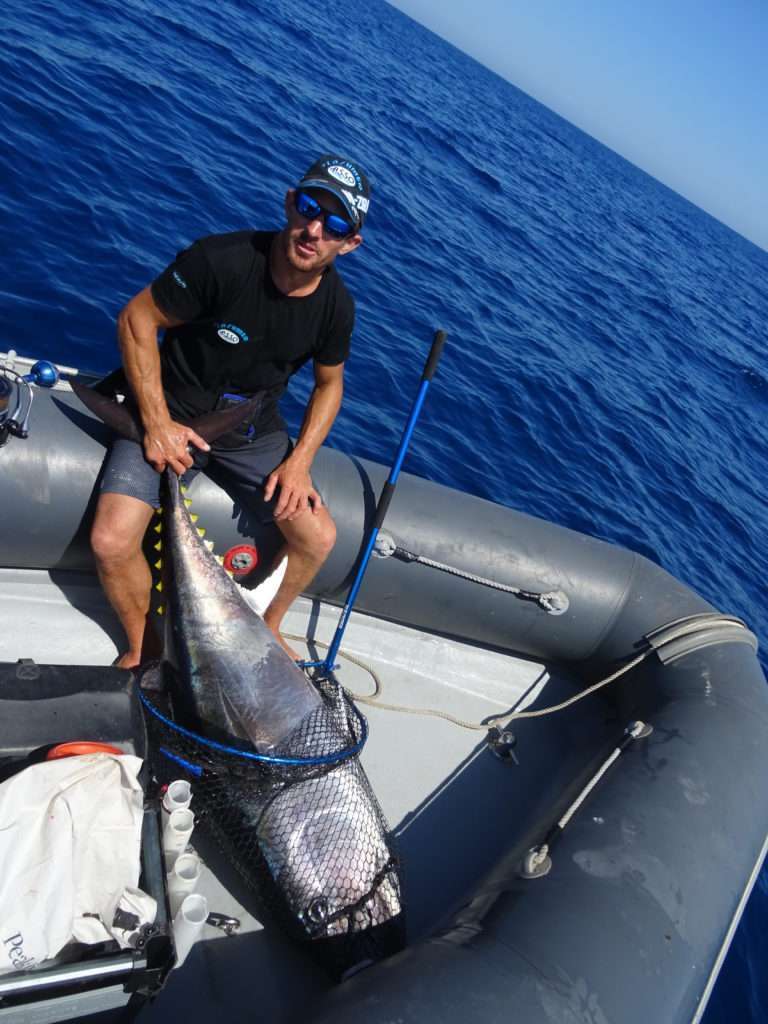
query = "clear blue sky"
{"x": 678, "y": 87}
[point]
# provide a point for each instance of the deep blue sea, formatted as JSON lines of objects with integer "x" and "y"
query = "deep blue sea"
{"x": 605, "y": 365}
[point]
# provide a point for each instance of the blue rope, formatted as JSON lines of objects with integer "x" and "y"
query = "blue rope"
{"x": 341, "y": 755}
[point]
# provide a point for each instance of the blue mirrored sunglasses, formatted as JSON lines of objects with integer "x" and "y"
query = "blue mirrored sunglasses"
{"x": 333, "y": 224}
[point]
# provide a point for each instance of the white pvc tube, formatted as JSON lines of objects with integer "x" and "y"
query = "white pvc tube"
{"x": 177, "y": 796}
{"x": 183, "y": 879}
{"x": 188, "y": 924}
{"x": 177, "y": 832}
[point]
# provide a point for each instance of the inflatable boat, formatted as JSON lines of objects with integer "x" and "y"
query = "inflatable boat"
{"x": 568, "y": 743}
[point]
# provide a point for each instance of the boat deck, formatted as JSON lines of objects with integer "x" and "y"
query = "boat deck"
{"x": 441, "y": 790}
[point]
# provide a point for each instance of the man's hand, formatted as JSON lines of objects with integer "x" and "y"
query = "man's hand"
{"x": 168, "y": 444}
{"x": 297, "y": 493}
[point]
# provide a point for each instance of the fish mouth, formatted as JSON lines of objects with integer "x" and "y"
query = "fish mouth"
{"x": 346, "y": 953}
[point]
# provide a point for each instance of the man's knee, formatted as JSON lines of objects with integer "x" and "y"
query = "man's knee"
{"x": 118, "y": 528}
{"x": 312, "y": 534}
{"x": 327, "y": 536}
{"x": 320, "y": 534}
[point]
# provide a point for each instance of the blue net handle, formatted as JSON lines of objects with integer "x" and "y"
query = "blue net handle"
{"x": 247, "y": 755}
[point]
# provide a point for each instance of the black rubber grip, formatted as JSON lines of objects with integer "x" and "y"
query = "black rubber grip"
{"x": 434, "y": 355}
{"x": 381, "y": 509}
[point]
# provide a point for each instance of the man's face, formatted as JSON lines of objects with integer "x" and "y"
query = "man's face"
{"x": 309, "y": 246}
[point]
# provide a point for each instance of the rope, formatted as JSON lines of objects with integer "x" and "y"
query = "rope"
{"x": 452, "y": 570}
{"x": 537, "y": 861}
{"x": 554, "y": 601}
{"x": 504, "y": 717}
{"x": 633, "y": 732}
{"x": 665, "y": 636}
{"x": 589, "y": 787}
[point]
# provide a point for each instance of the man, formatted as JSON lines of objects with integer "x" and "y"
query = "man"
{"x": 241, "y": 313}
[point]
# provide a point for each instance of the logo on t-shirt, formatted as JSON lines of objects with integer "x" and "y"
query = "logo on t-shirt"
{"x": 231, "y": 333}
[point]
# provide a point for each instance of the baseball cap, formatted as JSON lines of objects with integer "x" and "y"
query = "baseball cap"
{"x": 345, "y": 179}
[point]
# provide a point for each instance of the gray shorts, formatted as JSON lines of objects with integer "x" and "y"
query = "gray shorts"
{"x": 241, "y": 471}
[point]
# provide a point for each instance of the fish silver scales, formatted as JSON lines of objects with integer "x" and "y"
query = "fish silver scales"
{"x": 324, "y": 842}
{"x": 242, "y": 680}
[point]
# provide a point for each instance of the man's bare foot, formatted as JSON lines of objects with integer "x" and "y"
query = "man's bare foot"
{"x": 127, "y": 660}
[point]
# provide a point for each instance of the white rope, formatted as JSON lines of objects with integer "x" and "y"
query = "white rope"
{"x": 553, "y": 601}
{"x": 453, "y": 571}
{"x": 588, "y": 788}
{"x": 504, "y": 717}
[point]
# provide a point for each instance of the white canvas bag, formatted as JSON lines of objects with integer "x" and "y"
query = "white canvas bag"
{"x": 70, "y": 845}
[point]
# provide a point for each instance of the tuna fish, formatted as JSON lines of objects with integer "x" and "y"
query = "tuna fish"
{"x": 315, "y": 835}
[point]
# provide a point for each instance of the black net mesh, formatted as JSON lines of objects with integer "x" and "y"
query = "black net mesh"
{"x": 303, "y": 828}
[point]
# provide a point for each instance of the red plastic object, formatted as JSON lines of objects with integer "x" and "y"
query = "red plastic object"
{"x": 77, "y": 747}
{"x": 241, "y": 559}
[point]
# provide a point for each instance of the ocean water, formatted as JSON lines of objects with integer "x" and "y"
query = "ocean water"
{"x": 605, "y": 364}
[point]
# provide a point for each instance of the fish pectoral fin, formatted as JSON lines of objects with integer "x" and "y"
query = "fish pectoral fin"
{"x": 112, "y": 413}
{"x": 239, "y": 727}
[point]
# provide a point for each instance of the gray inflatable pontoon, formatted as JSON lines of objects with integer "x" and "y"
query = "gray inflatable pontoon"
{"x": 586, "y": 864}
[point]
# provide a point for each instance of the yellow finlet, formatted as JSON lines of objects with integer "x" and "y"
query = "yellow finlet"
{"x": 194, "y": 517}
{"x": 188, "y": 502}
{"x": 159, "y": 563}
{"x": 200, "y": 531}
{"x": 159, "y": 546}
{"x": 208, "y": 544}
{"x": 159, "y": 528}
{"x": 158, "y": 586}
{"x": 160, "y": 610}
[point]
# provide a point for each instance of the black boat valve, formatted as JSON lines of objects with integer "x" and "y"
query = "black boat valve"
{"x": 229, "y": 925}
{"x": 502, "y": 743}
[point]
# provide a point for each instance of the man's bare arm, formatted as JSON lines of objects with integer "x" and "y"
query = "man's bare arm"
{"x": 165, "y": 441}
{"x": 293, "y": 476}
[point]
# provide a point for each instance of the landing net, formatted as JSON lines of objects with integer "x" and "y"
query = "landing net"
{"x": 301, "y": 826}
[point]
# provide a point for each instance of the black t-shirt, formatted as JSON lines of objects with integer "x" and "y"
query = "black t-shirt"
{"x": 240, "y": 334}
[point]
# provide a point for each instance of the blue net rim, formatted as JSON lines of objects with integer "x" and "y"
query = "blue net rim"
{"x": 271, "y": 759}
